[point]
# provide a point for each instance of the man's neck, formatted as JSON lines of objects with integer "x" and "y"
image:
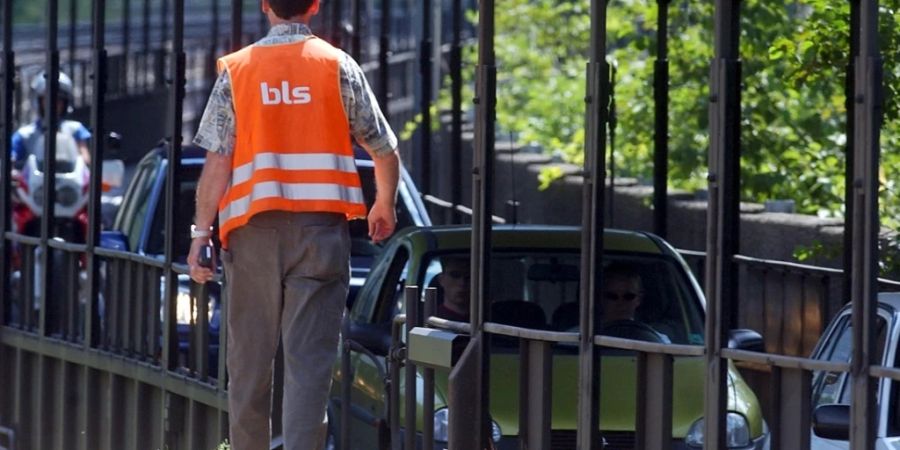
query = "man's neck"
{"x": 275, "y": 20}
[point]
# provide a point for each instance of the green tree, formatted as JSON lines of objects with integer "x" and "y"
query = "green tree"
{"x": 794, "y": 57}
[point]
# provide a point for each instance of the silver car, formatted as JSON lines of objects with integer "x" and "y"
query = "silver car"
{"x": 831, "y": 390}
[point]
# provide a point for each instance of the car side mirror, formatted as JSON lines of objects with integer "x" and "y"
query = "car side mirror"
{"x": 113, "y": 144}
{"x": 114, "y": 239}
{"x": 746, "y": 339}
{"x": 375, "y": 337}
{"x": 832, "y": 422}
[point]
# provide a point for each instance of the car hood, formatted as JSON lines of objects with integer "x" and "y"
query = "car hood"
{"x": 617, "y": 393}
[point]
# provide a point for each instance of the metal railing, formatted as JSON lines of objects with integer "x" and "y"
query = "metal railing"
{"x": 116, "y": 345}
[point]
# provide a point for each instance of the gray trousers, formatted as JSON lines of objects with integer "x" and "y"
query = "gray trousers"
{"x": 287, "y": 276}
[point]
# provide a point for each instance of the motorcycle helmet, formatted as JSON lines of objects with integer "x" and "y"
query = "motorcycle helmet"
{"x": 66, "y": 91}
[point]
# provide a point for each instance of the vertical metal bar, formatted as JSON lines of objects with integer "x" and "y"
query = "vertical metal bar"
{"x": 661, "y": 134}
{"x": 456, "y": 109}
{"x": 357, "y": 30}
{"x": 394, "y": 387}
{"x": 6, "y": 122}
{"x": 237, "y": 21}
{"x": 868, "y": 95}
{"x": 139, "y": 316}
{"x": 155, "y": 304}
{"x": 28, "y": 280}
{"x": 73, "y": 16}
{"x": 202, "y": 335}
{"x": 123, "y": 318}
{"x": 336, "y": 32}
{"x": 722, "y": 215}
{"x": 23, "y": 406}
{"x": 384, "y": 54}
{"x": 221, "y": 377}
{"x": 425, "y": 64}
{"x": 849, "y": 168}
{"x": 214, "y": 46}
{"x": 98, "y": 148}
{"x": 114, "y": 304}
{"x": 428, "y": 380}
{"x": 412, "y": 321}
{"x": 535, "y": 398}
{"x": 793, "y": 410}
{"x": 654, "y": 401}
{"x": 173, "y": 177}
{"x": 593, "y": 222}
{"x": 774, "y": 415}
{"x": 71, "y": 312}
{"x": 146, "y": 42}
{"x": 163, "y": 23}
{"x": 470, "y": 426}
{"x": 44, "y": 405}
{"x": 126, "y": 43}
{"x": 48, "y": 316}
{"x": 193, "y": 336}
{"x": 346, "y": 383}
{"x": 611, "y": 168}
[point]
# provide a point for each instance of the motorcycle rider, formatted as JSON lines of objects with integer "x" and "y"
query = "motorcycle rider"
{"x": 27, "y": 138}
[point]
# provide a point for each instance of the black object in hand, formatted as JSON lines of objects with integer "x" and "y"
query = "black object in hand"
{"x": 205, "y": 257}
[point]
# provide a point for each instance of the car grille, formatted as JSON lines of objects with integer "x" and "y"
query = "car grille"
{"x": 614, "y": 440}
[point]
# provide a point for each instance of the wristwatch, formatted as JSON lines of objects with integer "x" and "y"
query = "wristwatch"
{"x": 200, "y": 233}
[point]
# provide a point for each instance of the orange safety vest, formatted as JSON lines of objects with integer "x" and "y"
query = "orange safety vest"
{"x": 292, "y": 150}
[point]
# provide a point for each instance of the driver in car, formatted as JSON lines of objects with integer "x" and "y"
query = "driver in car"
{"x": 622, "y": 294}
{"x": 455, "y": 281}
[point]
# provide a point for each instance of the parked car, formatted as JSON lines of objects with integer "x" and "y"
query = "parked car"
{"x": 831, "y": 390}
{"x": 139, "y": 225}
{"x": 535, "y": 284}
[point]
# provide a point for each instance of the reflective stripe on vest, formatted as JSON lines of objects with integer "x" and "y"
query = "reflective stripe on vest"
{"x": 292, "y": 140}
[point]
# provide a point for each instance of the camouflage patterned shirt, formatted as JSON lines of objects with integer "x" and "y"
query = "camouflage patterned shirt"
{"x": 367, "y": 123}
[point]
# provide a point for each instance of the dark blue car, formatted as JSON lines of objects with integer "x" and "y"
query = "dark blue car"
{"x": 139, "y": 226}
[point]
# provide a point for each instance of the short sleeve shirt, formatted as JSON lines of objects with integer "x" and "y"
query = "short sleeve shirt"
{"x": 367, "y": 123}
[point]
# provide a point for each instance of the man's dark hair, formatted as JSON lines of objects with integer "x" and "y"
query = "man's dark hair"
{"x": 286, "y": 9}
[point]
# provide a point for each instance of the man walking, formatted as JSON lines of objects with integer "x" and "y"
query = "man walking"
{"x": 281, "y": 174}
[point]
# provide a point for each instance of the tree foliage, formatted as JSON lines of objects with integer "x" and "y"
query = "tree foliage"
{"x": 794, "y": 60}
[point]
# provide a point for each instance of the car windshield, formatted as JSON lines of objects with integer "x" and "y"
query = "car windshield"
{"x": 541, "y": 290}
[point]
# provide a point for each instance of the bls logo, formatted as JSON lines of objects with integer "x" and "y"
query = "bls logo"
{"x": 286, "y": 95}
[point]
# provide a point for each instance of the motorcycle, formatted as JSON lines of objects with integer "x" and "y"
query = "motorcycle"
{"x": 70, "y": 219}
{"x": 70, "y": 216}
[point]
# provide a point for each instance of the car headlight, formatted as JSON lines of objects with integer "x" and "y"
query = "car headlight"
{"x": 184, "y": 314}
{"x": 441, "y": 430}
{"x": 737, "y": 432}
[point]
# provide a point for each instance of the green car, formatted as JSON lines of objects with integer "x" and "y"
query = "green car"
{"x": 649, "y": 294}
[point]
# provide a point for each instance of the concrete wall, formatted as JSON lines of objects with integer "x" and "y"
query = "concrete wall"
{"x": 763, "y": 234}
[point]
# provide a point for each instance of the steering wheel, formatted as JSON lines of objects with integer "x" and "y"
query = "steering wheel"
{"x": 631, "y": 329}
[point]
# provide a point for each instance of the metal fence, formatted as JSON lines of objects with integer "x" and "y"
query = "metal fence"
{"x": 92, "y": 349}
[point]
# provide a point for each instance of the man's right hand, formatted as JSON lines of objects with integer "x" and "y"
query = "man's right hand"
{"x": 382, "y": 221}
{"x": 199, "y": 273}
